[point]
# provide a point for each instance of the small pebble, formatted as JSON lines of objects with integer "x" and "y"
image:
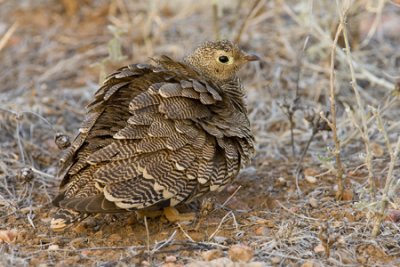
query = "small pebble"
{"x": 311, "y": 179}
{"x": 114, "y": 238}
{"x": 393, "y": 215}
{"x": 170, "y": 258}
{"x": 86, "y": 252}
{"x": 341, "y": 241}
{"x": 217, "y": 262}
{"x": 241, "y": 253}
{"x": 260, "y": 231}
{"x": 313, "y": 202}
{"x": 377, "y": 149}
{"x": 275, "y": 260}
{"x": 319, "y": 249}
{"x": 231, "y": 188}
{"x": 255, "y": 264}
{"x": 212, "y": 254}
{"x": 309, "y": 264}
{"x": 281, "y": 181}
{"x": 220, "y": 239}
{"x": 145, "y": 263}
{"x": 53, "y": 247}
{"x": 347, "y": 195}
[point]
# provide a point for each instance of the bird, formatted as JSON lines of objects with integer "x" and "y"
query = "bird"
{"x": 158, "y": 135}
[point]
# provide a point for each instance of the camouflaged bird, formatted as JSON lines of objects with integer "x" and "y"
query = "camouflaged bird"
{"x": 157, "y": 136}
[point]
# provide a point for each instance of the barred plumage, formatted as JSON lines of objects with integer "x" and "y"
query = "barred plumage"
{"x": 157, "y": 136}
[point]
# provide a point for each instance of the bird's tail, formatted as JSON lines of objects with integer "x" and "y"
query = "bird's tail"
{"x": 65, "y": 218}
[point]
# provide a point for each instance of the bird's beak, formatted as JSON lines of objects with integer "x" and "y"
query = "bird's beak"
{"x": 250, "y": 57}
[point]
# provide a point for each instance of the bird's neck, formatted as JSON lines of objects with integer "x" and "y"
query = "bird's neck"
{"x": 234, "y": 91}
{"x": 232, "y": 87}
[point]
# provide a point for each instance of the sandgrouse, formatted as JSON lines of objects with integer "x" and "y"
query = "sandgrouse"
{"x": 158, "y": 135}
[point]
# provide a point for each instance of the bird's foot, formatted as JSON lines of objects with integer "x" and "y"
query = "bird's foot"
{"x": 173, "y": 215}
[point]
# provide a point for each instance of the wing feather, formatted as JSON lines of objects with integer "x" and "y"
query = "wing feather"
{"x": 149, "y": 140}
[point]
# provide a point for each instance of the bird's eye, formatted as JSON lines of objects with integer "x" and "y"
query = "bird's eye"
{"x": 223, "y": 59}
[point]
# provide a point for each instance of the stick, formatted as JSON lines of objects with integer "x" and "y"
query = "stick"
{"x": 7, "y": 35}
{"x": 379, "y": 215}
{"x": 332, "y": 123}
{"x": 361, "y": 110}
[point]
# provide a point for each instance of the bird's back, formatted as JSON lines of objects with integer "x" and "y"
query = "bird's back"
{"x": 153, "y": 137}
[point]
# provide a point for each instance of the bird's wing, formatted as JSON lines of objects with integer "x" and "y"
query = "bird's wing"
{"x": 145, "y": 143}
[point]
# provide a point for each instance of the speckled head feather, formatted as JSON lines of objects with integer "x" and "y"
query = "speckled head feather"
{"x": 219, "y": 61}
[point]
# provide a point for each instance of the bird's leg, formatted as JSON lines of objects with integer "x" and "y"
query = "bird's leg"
{"x": 173, "y": 215}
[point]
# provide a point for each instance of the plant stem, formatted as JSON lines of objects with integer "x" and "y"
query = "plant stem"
{"x": 332, "y": 123}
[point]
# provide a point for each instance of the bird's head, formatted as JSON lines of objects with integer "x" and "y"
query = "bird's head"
{"x": 219, "y": 61}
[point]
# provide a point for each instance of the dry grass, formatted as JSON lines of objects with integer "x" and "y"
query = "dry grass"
{"x": 52, "y": 56}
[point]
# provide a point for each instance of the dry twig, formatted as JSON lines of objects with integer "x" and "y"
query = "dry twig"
{"x": 377, "y": 20}
{"x": 332, "y": 124}
{"x": 7, "y": 35}
{"x": 215, "y": 9}
{"x": 317, "y": 125}
{"x": 361, "y": 109}
{"x": 383, "y": 203}
{"x": 245, "y": 22}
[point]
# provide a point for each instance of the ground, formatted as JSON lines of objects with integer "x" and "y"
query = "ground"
{"x": 54, "y": 54}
